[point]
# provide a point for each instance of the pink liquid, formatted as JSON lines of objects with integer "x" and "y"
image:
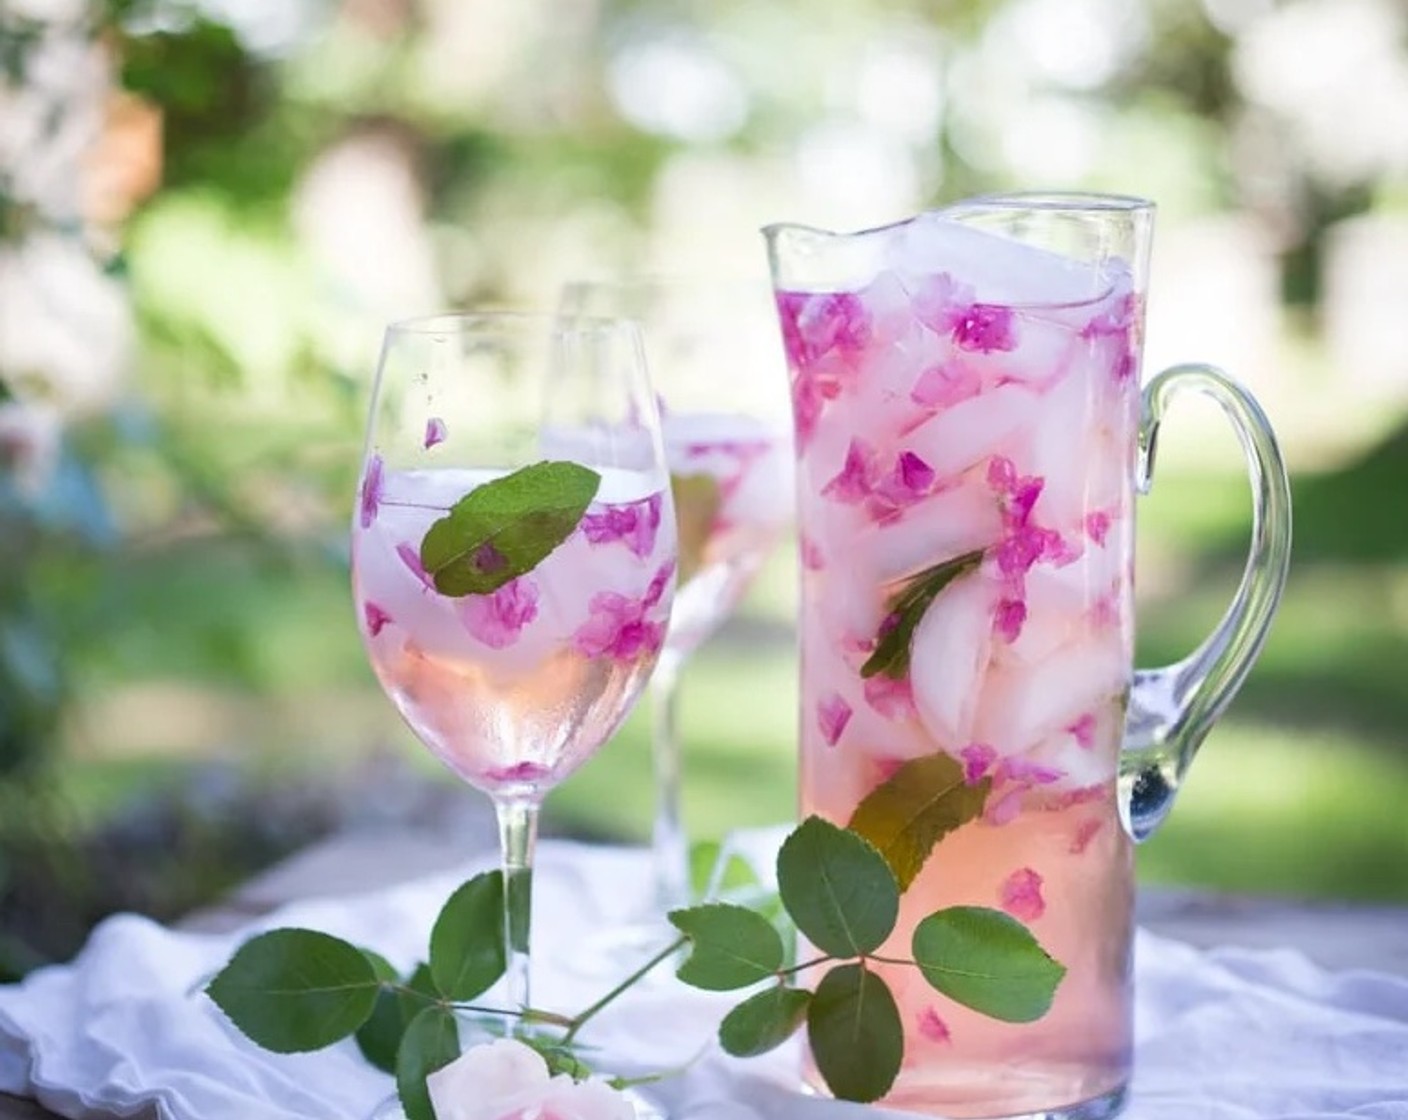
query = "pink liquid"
{"x": 930, "y": 426}
{"x": 515, "y": 690}
{"x": 730, "y": 526}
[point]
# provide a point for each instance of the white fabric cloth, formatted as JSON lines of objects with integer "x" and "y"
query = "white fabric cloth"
{"x": 1224, "y": 1035}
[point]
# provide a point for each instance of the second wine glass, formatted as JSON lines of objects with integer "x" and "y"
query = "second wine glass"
{"x": 716, "y": 361}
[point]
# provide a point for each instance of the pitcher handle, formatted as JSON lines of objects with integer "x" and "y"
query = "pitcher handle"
{"x": 1172, "y": 709}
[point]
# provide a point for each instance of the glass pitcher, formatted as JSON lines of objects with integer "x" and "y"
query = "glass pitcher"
{"x": 971, "y": 435}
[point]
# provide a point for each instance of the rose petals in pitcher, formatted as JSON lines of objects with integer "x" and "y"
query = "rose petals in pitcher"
{"x": 1020, "y": 895}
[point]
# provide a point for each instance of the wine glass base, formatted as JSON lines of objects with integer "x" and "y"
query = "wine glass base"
{"x": 645, "y": 1109}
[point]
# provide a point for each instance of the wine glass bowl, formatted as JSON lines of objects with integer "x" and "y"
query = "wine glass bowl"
{"x": 716, "y": 359}
{"x": 513, "y": 554}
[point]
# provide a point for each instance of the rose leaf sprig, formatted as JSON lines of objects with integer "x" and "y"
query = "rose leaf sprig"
{"x": 293, "y": 990}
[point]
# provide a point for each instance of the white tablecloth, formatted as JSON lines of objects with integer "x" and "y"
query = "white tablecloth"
{"x": 1224, "y": 1035}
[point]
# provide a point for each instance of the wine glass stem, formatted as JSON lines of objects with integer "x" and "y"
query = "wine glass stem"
{"x": 518, "y": 835}
{"x": 670, "y": 847}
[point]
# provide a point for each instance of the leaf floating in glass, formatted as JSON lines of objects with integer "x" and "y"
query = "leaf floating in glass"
{"x": 891, "y": 654}
{"x": 506, "y": 528}
{"x": 920, "y": 804}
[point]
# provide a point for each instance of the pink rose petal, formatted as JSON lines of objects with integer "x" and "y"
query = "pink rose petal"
{"x": 940, "y": 302}
{"x": 372, "y": 483}
{"x": 946, "y": 385}
{"x": 497, "y": 619}
{"x": 410, "y": 557}
{"x": 1020, "y": 895}
{"x": 853, "y": 483}
{"x": 1005, "y": 809}
{"x": 658, "y": 584}
{"x": 977, "y": 760}
{"x": 832, "y": 715}
{"x": 1084, "y": 730}
{"x": 816, "y": 324}
{"x": 618, "y": 628}
{"x": 1010, "y": 617}
{"x": 892, "y": 698}
{"x": 633, "y": 523}
{"x": 435, "y": 432}
{"x": 1097, "y": 526}
{"x": 887, "y": 768}
{"x": 519, "y": 772}
{"x": 1026, "y": 773}
{"x": 376, "y": 617}
{"x": 932, "y": 1027}
{"x": 985, "y": 327}
{"x": 1084, "y": 834}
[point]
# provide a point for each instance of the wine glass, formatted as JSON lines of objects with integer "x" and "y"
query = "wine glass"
{"x": 513, "y": 555}
{"x": 716, "y": 359}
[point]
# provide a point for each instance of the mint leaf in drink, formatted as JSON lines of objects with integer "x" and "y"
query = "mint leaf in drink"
{"x": 291, "y": 990}
{"x": 5, "y": 394}
{"x": 730, "y": 946}
{"x": 763, "y": 1022}
{"x": 891, "y": 654}
{"x": 987, "y": 960}
{"x": 467, "y": 941}
{"x": 431, "y": 1042}
{"x": 838, "y": 889}
{"x": 856, "y": 1036}
{"x": 697, "y": 503}
{"x": 379, "y": 1038}
{"x": 921, "y": 803}
{"x": 507, "y": 527}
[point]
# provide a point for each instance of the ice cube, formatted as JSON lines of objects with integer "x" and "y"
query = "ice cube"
{"x": 1056, "y": 606}
{"x": 963, "y": 518}
{"x": 1023, "y": 704}
{"x": 949, "y": 656}
{"x": 959, "y": 437}
{"x": 1072, "y": 448}
{"x": 999, "y": 269}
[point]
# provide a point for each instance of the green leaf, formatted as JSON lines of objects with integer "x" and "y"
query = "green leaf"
{"x": 920, "y": 804}
{"x": 855, "y": 1033}
{"x": 707, "y": 879}
{"x": 5, "y": 394}
{"x": 763, "y": 1022}
{"x": 891, "y": 654}
{"x": 697, "y": 500}
{"x": 292, "y": 990}
{"x": 837, "y": 888}
{"x": 987, "y": 960}
{"x": 731, "y": 946}
{"x": 380, "y": 966}
{"x": 432, "y": 1041}
{"x": 380, "y": 1036}
{"x": 467, "y": 942}
{"x": 507, "y": 527}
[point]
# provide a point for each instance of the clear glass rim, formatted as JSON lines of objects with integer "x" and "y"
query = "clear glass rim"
{"x": 490, "y": 322}
{"x": 1072, "y": 202}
